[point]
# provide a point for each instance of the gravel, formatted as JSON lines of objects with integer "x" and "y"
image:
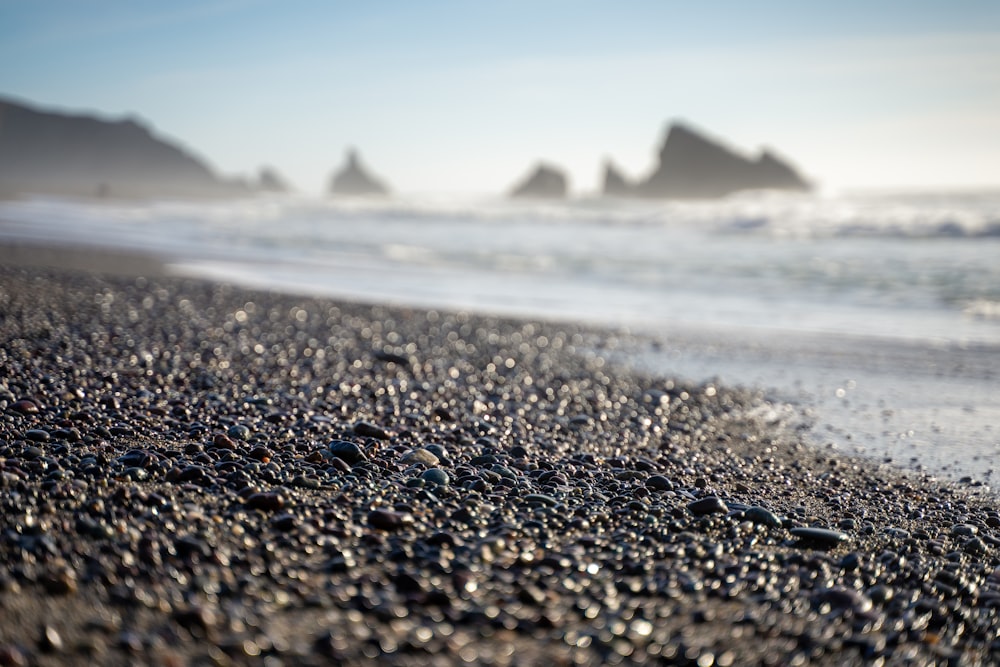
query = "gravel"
{"x": 192, "y": 473}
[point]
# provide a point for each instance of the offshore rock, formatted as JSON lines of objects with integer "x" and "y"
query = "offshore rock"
{"x": 354, "y": 180}
{"x": 691, "y": 166}
{"x": 269, "y": 180}
{"x": 545, "y": 182}
{"x": 615, "y": 183}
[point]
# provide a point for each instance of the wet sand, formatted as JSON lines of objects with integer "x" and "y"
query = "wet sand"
{"x": 194, "y": 473}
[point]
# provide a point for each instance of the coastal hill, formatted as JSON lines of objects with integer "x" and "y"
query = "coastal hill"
{"x": 51, "y": 153}
{"x": 354, "y": 180}
{"x": 693, "y": 166}
{"x": 545, "y": 182}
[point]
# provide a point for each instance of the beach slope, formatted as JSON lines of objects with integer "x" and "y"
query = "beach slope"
{"x": 194, "y": 473}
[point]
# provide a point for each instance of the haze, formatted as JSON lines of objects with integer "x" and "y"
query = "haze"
{"x": 464, "y": 97}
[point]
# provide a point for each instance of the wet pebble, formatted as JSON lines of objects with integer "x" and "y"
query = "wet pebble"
{"x": 239, "y": 432}
{"x": 435, "y": 476}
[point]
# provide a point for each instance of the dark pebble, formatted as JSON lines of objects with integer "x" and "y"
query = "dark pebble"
{"x": 820, "y": 537}
{"x": 270, "y": 501}
{"x": 439, "y": 451}
{"x": 25, "y": 407}
{"x": 763, "y": 516}
{"x": 709, "y": 505}
{"x": 37, "y": 435}
{"x": 369, "y": 430}
{"x": 239, "y": 432}
{"x": 541, "y": 499}
{"x": 346, "y": 451}
{"x": 659, "y": 483}
{"x": 389, "y": 520}
{"x": 435, "y": 476}
{"x": 840, "y": 598}
{"x": 197, "y": 619}
{"x": 285, "y": 522}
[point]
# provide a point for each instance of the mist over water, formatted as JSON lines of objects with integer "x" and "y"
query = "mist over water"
{"x": 877, "y": 314}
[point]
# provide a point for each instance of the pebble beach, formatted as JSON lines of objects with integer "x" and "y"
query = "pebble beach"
{"x": 193, "y": 473}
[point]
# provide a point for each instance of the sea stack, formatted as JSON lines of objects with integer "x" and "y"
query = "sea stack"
{"x": 615, "y": 184}
{"x": 77, "y": 155}
{"x": 692, "y": 166}
{"x": 354, "y": 180}
{"x": 545, "y": 182}
{"x": 268, "y": 180}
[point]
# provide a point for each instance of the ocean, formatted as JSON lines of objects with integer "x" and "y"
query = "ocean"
{"x": 872, "y": 319}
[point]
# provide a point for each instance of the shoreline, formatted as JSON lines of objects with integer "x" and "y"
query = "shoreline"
{"x": 508, "y": 495}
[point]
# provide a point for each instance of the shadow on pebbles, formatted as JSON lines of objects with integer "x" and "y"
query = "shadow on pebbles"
{"x": 194, "y": 474}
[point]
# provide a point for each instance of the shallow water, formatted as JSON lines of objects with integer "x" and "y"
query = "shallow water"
{"x": 878, "y": 314}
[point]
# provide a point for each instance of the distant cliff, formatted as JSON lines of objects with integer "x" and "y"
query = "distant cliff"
{"x": 693, "y": 166}
{"x": 545, "y": 182}
{"x": 43, "y": 152}
{"x": 354, "y": 180}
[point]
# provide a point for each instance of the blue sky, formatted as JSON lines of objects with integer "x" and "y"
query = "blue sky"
{"x": 452, "y": 96}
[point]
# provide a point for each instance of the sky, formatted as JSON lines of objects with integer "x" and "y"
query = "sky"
{"x": 446, "y": 96}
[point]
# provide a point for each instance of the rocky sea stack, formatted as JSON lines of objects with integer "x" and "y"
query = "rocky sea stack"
{"x": 269, "y": 180}
{"x": 692, "y": 166}
{"x": 50, "y": 153}
{"x": 354, "y": 180}
{"x": 615, "y": 184}
{"x": 545, "y": 182}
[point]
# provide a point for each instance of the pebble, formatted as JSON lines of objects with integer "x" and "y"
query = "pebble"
{"x": 435, "y": 476}
{"x": 707, "y": 505}
{"x": 346, "y": 451}
{"x": 270, "y": 501}
{"x": 366, "y": 429}
{"x": 275, "y": 543}
{"x": 763, "y": 516}
{"x": 239, "y": 432}
{"x": 50, "y": 640}
{"x": 541, "y": 499}
{"x": 37, "y": 435}
{"x": 421, "y": 455}
{"x": 659, "y": 483}
{"x": 964, "y": 529}
{"x": 841, "y": 598}
{"x": 439, "y": 451}
{"x": 25, "y": 407}
{"x": 820, "y": 537}
{"x": 389, "y": 520}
